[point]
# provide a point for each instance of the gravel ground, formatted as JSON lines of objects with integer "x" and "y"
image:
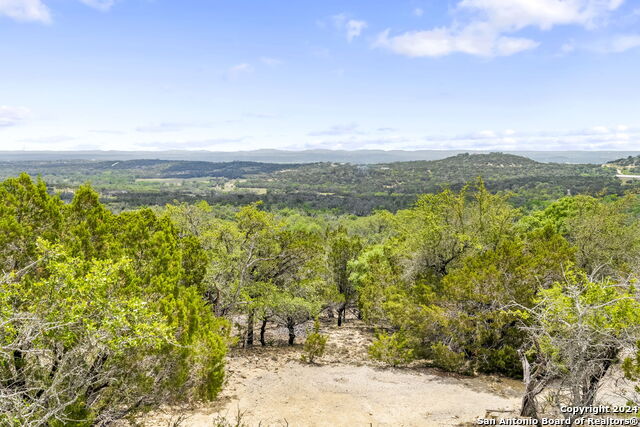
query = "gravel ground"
{"x": 273, "y": 388}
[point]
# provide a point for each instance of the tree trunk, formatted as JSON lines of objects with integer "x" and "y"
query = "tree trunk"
{"x": 342, "y": 311}
{"x": 263, "y": 328}
{"x": 533, "y": 387}
{"x": 18, "y": 361}
{"x": 250, "y": 328}
{"x": 292, "y": 332}
{"x": 591, "y": 387}
{"x": 529, "y": 406}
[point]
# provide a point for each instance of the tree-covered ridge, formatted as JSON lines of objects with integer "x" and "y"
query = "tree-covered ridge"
{"x": 628, "y": 165}
{"x": 627, "y": 161}
{"x": 348, "y": 188}
{"x": 497, "y": 169}
{"x": 144, "y": 168}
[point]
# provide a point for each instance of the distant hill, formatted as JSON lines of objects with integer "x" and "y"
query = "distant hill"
{"x": 121, "y": 174}
{"x": 499, "y": 170}
{"x": 309, "y": 156}
{"x": 341, "y": 186}
{"x": 629, "y": 166}
{"x": 627, "y": 161}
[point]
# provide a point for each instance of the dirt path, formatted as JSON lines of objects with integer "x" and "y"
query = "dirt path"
{"x": 273, "y": 388}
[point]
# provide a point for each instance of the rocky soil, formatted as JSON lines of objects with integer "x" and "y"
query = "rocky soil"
{"x": 270, "y": 386}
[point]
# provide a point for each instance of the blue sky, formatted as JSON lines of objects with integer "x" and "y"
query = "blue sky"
{"x": 241, "y": 75}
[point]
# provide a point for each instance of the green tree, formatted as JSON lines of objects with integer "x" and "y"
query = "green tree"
{"x": 342, "y": 249}
{"x": 107, "y": 321}
{"x": 26, "y": 213}
{"x": 576, "y": 332}
{"x": 86, "y": 346}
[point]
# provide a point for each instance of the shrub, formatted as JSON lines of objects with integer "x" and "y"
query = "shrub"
{"x": 447, "y": 359}
{"x": 392, "y": 349}
{"x": 315, "y": 344}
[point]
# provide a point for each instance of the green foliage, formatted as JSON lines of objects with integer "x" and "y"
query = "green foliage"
{"x": 26, "y": 213}
{"x": 104, "y": 301}
{"x": 314, "y": 345}
{"x": 330, "y": 187}
{"x": 605, "y": 234}
{"x": 394, "y": 349}
{"x": 140, "y": 303}
{"x": 374, "y": 273}
{"x": 342, "y": 250}
{"x": 576, "y": 332}
{"x": 445, "y": 358}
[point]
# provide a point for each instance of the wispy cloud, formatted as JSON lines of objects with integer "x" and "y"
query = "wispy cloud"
{"x": 617, "y": 44}
{"x": 418, "y": 12}
{"x": 352, "y": 27}
{"x": 25, "y": 10}
{"x": 272, "y": 62}
{"x": 38, "y": 11}
{"x": 213, "y": 144}
{"x": 107, "y": 132}
{"x": 618, "y": 137}
{"x": 340, "y": 129}
{"x": 102, "y": 5}
{"x": 485, "y": 27}
{"x": 260, "y": 115}
{"x": 445, "y": 41}
{"x": 171, "y": 127}
{"x": 12, "y": 116}
{"x": 239, "y": 70}
{"x": 51, "y": 139}
{"x": 355, "y": 28}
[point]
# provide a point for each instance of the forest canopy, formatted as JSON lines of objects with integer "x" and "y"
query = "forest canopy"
{"x": 105, "y": 315}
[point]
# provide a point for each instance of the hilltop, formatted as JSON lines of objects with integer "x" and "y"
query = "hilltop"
{"x": 627, "y": 161}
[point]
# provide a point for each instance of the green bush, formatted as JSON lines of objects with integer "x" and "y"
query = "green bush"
{"x": 392, "y": 349}
{"x": 447, "y": 359}
{"x": 315, "y": 344}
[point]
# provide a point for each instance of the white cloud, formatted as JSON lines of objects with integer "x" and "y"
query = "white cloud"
{"x": 486, "y": 134}
{"x": 619, "y": 137}
{"x": 37, "y": 10}
{"x": 443, "y": 41}
{"x": 619, "y": 43}
{"x": 50, "y": 139}
{"x": 25, "y": 10}
{"x": 12, "y": 116}
{"x": 102, "y": 5}
{"x": 513, "y": 15}
{"x": 352, "y": 27}
{"x": 418, "y": 12}
{"x": 481, "y": 27}
{"x": 355, "y": 28}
